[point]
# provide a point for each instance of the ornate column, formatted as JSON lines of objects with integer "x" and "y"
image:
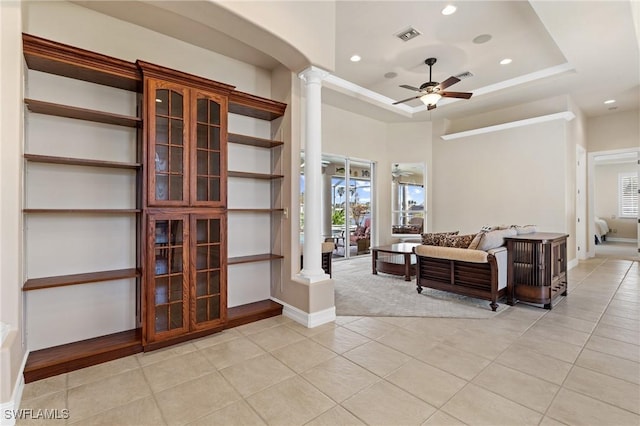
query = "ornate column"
{"x": 312, "y": 271}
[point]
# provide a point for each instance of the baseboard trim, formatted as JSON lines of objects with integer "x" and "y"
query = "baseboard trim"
{"x": 573, "y": 263}
{"x": 309, "y": 320}
{"x": 620, "y": 240}
{"x": 7, "y": 409}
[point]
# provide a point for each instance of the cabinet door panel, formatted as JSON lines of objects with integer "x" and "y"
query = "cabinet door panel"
{"x": 167, "y": 279}
{"x": 209, "y": 150}
{"x": 168, "y": 118}
{"x": 208, "y": 304}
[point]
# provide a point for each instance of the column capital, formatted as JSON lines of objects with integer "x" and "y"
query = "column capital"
{"x": 313, "y": 75}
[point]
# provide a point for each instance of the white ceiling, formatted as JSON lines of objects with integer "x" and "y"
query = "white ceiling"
{"x": 588, "y": 50}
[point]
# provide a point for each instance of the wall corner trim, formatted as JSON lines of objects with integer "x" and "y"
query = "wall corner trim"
{"x": 564, "y": 115}
{"x": 8, "y": 408}
{"x": 309, "y": 320}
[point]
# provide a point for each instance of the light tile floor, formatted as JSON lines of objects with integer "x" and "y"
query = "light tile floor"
{"x": 578, "y": 364}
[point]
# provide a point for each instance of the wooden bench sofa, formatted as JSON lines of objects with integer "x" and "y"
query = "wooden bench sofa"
{"x": 474, "y": 273}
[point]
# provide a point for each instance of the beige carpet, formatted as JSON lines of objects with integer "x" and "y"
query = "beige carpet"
{"x": 360, "y": 293}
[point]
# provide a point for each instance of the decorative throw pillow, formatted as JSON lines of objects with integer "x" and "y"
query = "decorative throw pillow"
{"x": 525, "y": 229}
{"x": 436, "y": 238}
{"x": 458, "y": 241}
{"x": 494, "y": 239}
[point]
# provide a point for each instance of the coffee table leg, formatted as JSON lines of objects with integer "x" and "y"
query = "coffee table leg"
{"x": 407, "y": 267}
{"x": 374, "y": 259}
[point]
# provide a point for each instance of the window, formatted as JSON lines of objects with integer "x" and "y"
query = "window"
{"x": 407, "y": 199}
{"x": 628, "y": 195}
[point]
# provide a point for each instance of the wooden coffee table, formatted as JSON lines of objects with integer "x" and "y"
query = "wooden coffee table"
{"x": 396, "y": 259}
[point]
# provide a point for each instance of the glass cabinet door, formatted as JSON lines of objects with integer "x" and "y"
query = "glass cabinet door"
{"x": 168, "y": 147}
{"x": 168, "y": 275}
{"x": 208, "y": 293}
{"x": 209, "y": 156}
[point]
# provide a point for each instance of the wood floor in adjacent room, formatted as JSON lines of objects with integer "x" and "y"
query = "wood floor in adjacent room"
{"x": 578, "y": 364}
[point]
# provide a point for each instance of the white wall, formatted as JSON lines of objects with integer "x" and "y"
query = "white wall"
{"x": 513, "y": 176}
{"x": 613, "y": 131}
{"x": 12, "y": 350}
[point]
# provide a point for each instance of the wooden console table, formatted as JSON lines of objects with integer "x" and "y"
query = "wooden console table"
{"x": 403, "y": 251}
{"x": 537, "y": 267}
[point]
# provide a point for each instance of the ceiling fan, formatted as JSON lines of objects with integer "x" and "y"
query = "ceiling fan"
{"x": 432, "y": 91}
{"x": 397, "y": 171}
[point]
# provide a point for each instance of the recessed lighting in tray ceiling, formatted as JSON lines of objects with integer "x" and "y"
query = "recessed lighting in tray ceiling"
{"x": 482, "y": 38}
{"x": 506, "y": 61}
{"x": 610, "y": 101}
{"x": 449, "y": 10}
{"x": 355, "y": 58}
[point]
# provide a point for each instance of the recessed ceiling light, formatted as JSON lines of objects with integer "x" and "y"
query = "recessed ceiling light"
{"x": 449, "y": 10}
{"x": 505, "y": 61}
{"x": 610, "y": 101}
{"x": 482, "y": 38}
{"x": 355, "y": 58}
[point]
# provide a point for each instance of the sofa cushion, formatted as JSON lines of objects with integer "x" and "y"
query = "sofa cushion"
{"x": 436, "y": 238}
{"x": 459, "y": 241}
{"x": 452, "y": 253}
{"x": 492, "y": 239}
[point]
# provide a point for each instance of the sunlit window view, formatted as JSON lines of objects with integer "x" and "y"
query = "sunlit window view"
{"x": 408, "y": 211}
{"x": 346, "y": 205}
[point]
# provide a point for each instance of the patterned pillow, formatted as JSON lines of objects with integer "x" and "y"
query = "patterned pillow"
{"x": 458, "y": 241}
{"x": 436, "y": 238}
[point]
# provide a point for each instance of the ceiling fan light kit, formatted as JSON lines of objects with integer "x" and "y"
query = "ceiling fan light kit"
{"x": 431, "y": 92}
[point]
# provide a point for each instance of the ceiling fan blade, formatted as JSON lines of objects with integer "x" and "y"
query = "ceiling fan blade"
{"x": 431, "y": 106}
{"x": 461, "y": 95}
{"x": 406, "y": 86}
{"x": 448, "y": 82}
{"x": 405, "y": 100}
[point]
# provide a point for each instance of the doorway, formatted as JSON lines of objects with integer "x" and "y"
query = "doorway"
{"x": 613, "y": 203}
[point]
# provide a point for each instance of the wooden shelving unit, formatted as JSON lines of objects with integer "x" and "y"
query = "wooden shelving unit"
{"x": 83, "y": 211}
{"x": 249, "y": 175}
{"x": 67, "y": 61}
{"x": 59, "y": 110}
{"x": 75, "y": 279}
{"x": 255, "y": 210}
{"x": 253, "y": 258}
{"x": 36, "y": 158}
{"x": 252, "y": 141}
{"x": 73, "y": 356}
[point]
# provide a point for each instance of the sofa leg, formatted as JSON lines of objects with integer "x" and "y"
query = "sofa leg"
{"x": 494, "y": 306}
{"x": 419, "y": 289}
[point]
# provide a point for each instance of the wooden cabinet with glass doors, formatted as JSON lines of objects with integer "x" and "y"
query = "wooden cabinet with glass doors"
{"x": 185, "y": 284}
{"x": 187, "y": 128}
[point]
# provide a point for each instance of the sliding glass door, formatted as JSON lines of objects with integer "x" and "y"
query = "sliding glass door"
{"x": 347, "y": 188}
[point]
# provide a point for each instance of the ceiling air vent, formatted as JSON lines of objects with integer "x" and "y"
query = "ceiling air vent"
{"x": 408, "y": 34}
{"x": 464, "y": 75}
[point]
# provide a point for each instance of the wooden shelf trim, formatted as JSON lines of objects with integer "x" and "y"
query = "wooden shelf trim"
{"x": 244, "y": 314}
{"x": 80, "y": 162}
{"x": 252, "y": 141}
{"x": 59, "y": 110}
{"x": 255, "y": 106}
{"x": 86, "y": 278}
{"x": 83, "y": 211}
{"x": 253, "y": 258}
{"x": 253, "y": 175}
{"x": 67, "y": 61}
{"x": 61, "y": 359}
{"x": 255, "y": 210}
